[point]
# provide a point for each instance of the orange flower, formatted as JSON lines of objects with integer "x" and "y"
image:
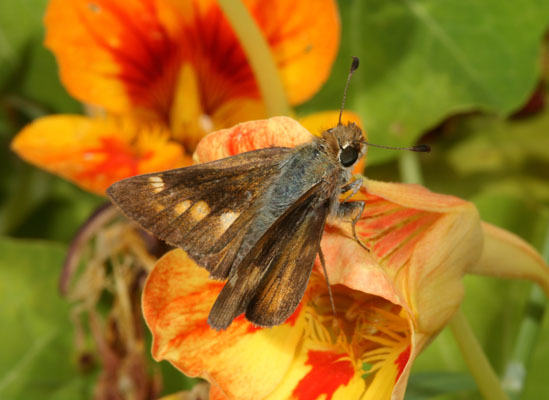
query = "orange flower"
{"x": 390, "y": 301}
{"x": 170, "y": 67}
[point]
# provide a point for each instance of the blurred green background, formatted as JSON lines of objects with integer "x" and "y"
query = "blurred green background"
{"x": 468, "y": 77}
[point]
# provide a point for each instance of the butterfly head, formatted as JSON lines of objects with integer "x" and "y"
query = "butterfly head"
{"x": 345, "y": 143}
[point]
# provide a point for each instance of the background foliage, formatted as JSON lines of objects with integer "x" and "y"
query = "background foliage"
{"x": 467, "y": 77}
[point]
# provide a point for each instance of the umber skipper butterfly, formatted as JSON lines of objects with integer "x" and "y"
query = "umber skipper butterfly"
{"x": 254, "y": 219}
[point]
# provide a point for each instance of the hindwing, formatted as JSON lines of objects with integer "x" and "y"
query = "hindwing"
{"x": 270, "y": 281}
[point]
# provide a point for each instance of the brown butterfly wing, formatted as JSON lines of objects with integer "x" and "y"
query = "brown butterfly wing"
{"x": 205, "y": 208}
{"x": 270, "y": 281}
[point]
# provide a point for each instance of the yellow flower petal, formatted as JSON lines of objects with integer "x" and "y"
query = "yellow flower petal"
{"x": 246, "y": 362}
{"x": 252, "y": 135}
{"x": 318, "y": 372}
{"x": 94, "y": 153}
{"x": 432, "y": 282}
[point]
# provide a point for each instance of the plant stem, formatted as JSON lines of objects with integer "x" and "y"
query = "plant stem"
{"x": 481, "y": 370}
{"x": 516, "y": 370}
{"x": 487, "y": 381}
{"x": 259, "y": 56}
{"x": 410, "y": 169}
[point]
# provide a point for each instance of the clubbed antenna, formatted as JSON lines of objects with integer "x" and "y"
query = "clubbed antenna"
{"x": 421, "y": 148}
{"x": 354, "y": 66}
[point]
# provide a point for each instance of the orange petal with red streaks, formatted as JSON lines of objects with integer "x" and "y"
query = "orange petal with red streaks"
{"x": 252, "y": 135}
{"x": 119, "y": 55}
{"x": 243, "y": 361}
{"x": 95, "y": 153}
{"x": 423, "y": 241}
{"x": 134, "y": 65}
{"x": 304, "y": 39}
{"x": 421, "y": 244}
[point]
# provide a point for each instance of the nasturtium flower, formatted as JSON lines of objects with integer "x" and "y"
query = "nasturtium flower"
{"x": 390, "y": 301}
{"x": 171, "y": 67}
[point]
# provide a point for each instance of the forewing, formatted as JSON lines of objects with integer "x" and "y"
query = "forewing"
{"x": 201, "y": 208}
{"x": 270, "y": 282}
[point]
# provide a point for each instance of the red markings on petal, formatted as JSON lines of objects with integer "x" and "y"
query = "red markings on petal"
{"x": 293, "y": 318}
{"x": 391, "y": 229}
{"x": 96, "y": 152}
{"x": 252, "y": 135}
{"x": 394, "y": 240}
{"x": 111, "y": 157}
{"x": 401, "y": 362}
{"x": 329, "y": 372}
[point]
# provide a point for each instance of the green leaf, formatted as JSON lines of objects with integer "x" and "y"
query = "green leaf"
{"x": 59, "y": 212}
{"x": 492, "y": 144}
{"x": 15, "y": 31}
{"x": 423, "y": 60}
{"x": 28, "y": 72}
{"x": 36, "y": 338}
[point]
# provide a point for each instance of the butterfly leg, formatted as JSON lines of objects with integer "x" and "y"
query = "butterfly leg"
{"x": 352, "y": 211}
{"x": 336, "y": 324}
{"x": 321, "y": 256}
{"x": 353, "y": 186}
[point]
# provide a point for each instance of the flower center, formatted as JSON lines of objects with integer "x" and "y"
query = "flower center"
{"x": 374, "y": 332}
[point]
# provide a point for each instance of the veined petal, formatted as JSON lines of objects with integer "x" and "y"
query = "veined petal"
{"x": 244, "y": 361}
{"x": 433, "y": 280}
{"x": 425, "y": 242}
{"x": 347, "y": 263}
{"x": 119, "y": 55}
{"x": 136, "y": 65}
{"x": 415, "y": 196}
{"x": 505, "y": 255}
{"x": 252, "y": 135}
{"x": 95, "y": 153}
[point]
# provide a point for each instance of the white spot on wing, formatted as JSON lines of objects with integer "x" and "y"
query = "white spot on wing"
{"x": 226, "y": 219}
{"x": 157, "y": 184}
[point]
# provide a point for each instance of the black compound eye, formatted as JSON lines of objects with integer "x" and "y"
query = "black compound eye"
{"x": 348, "y": 156}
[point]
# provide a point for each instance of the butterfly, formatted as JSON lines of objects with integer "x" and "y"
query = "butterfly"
{"x": 254, "y": 219}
